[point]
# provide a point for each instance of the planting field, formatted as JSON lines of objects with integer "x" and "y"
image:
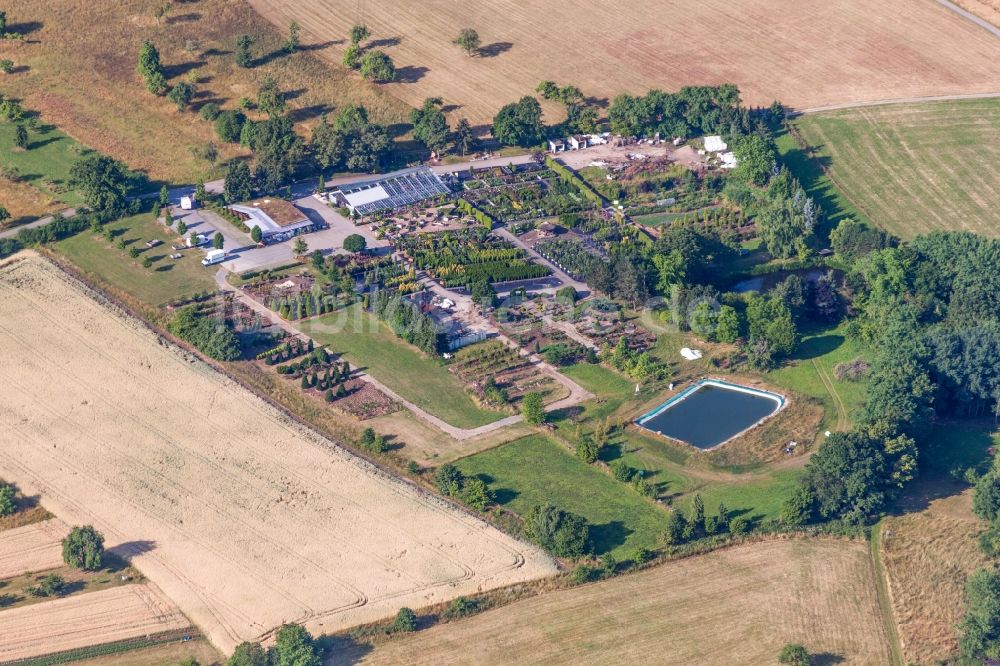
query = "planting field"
{"x": 771, "y": 49}
{"x": 915, "y": 168}
{"x": 371, "y": 344}
{"x": 130, "y": 611}
{"x": 35, "y": 547}
{"x": 734, "y": 606}
{"x": 240, "y": 515}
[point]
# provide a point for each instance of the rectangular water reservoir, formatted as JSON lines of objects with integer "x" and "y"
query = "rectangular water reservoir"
{"x": 711, "y": 412}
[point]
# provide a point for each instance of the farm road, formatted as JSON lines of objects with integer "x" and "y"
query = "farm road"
{"x": 982, "y": 23}
{"x": 899, "y": 100}
{"x": 577, "y": 393}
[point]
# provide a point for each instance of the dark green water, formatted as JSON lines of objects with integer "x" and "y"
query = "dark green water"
{"x": 711, "y": 415}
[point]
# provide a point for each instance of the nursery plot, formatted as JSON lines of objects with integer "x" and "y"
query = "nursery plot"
{"x": 240, "y": 515}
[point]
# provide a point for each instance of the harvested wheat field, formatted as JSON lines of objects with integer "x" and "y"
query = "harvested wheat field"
{"x": 915, "y": 168}
{"x": 987, "y": 9}
{"x": 927, "y": 557}
{"x": 733, "y": 606}
{"x": 803, "y": 53}
{"x": 35, "y": 547}
{"x": 129, "y": 611}
{"x": 241, "y": 516}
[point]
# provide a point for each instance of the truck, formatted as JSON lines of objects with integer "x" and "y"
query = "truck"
{"x": 214, "y": 257}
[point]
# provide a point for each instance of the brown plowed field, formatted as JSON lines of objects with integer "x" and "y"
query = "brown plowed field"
{"x": 129, "y": 611}
{"x": 734, "y": 606}
{"x": 34, "y": 548}
{"x": 805, "y": 54}
{"x": 242, "y": 517}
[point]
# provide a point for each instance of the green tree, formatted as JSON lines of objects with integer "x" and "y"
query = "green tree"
{"x": 229, "y": 126}
{"x": 248, "y": 654}
{"x": 359, "y": 33}
{"x": 468, "y": 39}
{"x": 532, "y": 408}
{"x": 476, "y": 494}
{"x": 293, "y": 646}
{"x": 3, "y": 23}
{"x": 182, "y": 227}
{"x": 429, "y": 125}
{"x": 986, "y": 496}
{"x": 406, "y": 621}
{"x": 292, "y": 43}
{"x": 21, "y": 137}
{"x": 562, "y": 533}
{"x": 300, "y": 247}
{"x": 218, "y": 241}
{"x": 465, "y": 141}
{"x": 151, "y": 70}
{"x": 6, "y": 66}
{"x": 519, "y": 123}
{"x": 756, "y": 157}
{"x": 7, "y": 503}
{"x": 270, "y": 99}
{"x": 727, "y": 325}
{"x": 256, "y": 234}
{"x": 181, "y": 95}
{"x": 449, "y": 479}
{"x": 352, "y": 56}
{"x": 980, "y": 628}
{"x": 794, "y": 654}
{"x": 4, "y": 214}
{"x": 103, "y": 182}
{"x": 377, "y": 66}
{"x": 83, "y": 548}
{"x": 355, "y": 243}
{"x": 242, "y": 55}
{"x": 797, "y": 509}
{"x": 238, "y": 183}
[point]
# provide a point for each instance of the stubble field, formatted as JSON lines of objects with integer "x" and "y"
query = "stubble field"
{"x": 242, "y": 517}
{"x": 804, "y": 54}
{"x": 34, "y": 547}
{"x": 915, "y": 168}
{"x": 734, "y": 606}
{"x": 130, "y": 611}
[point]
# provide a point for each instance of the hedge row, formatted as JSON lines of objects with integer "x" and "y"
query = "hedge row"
{"x": 481, "y": 217}
{"x": 568, "y": 176}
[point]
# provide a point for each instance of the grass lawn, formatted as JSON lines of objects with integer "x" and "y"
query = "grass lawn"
{"x": 535, "y": 470}
{"x": 400, "y": 366}
{"x": 915, "y": 168}
{"x": 46, "y": 163}
{"x": 167, "y": 279}
{"x": 810, "y": 372}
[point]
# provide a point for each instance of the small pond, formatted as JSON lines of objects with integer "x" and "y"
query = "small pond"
{"x": 710, "y": 413}
{"x": 764, "y": 283}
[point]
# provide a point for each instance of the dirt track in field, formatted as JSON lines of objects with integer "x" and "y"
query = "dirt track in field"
{"x": 34, "y": 547}
{"x": 734, "y": 606}
{"x": 242, "y": 517}
{"x": 129, "y": 611}
{"x": 805, "y": 54}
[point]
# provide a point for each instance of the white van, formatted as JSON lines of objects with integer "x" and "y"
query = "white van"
{"x": 214, "y": 257}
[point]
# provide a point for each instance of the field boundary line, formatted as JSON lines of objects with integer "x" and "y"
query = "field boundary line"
{"x": 847, "y": 106}
{"x": 884, "y": 595}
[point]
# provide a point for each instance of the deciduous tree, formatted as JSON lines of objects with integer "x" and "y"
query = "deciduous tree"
{"x": 83, "y": 548}
{"x": 468, "y": 39}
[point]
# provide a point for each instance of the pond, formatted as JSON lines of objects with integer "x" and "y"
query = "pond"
{"x": 764, "y": 283}
{"x": 711, "y": 412}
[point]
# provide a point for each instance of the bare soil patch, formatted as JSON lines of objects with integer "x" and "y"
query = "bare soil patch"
{"x": 111, "y": 615}
{"x": 240, "y": 515}
{"x": 734, "y": 606}
{"x": 804, "y": 54}
{"x": 34, "y": 547}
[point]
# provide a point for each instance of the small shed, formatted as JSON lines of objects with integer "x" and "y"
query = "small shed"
{"x": 556, "y": 145}
{"x": 577, "y": 141}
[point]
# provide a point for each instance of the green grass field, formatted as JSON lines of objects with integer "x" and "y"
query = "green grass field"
{"x": 810, "y": 371}
{"x": 534, "y": 470}
{"x": 165, "y": 280}
{"x": 400, "y": 366}
{"x": 915, "y": 168}
{"x": 45, "y": 164}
